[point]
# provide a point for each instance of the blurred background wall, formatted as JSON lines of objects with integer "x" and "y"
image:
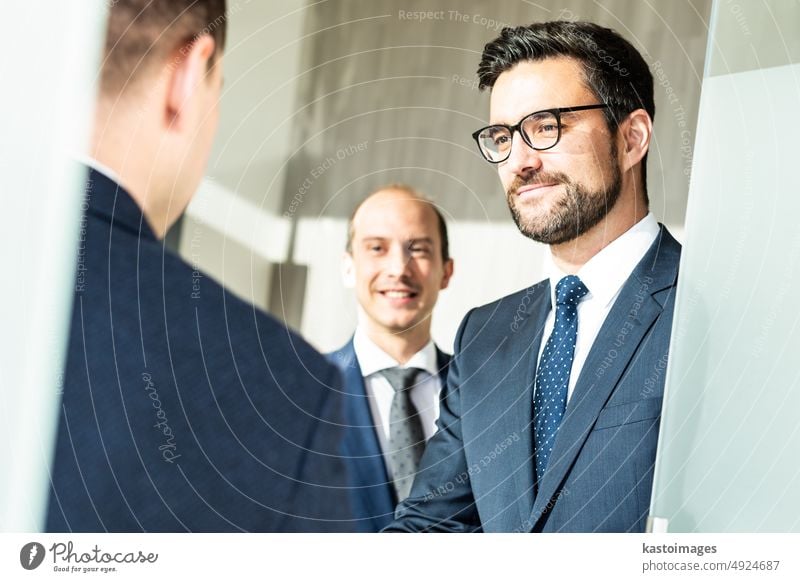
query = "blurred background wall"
{"x": 325, "y": 101}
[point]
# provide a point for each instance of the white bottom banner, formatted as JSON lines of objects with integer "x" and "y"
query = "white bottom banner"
{"x": 386, "y": 557}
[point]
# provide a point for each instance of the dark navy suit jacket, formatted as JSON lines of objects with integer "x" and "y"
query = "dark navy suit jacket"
{"x": 477, "y": 472}
{"x": 373, "y": 495}
{"x": 185, "y": 408}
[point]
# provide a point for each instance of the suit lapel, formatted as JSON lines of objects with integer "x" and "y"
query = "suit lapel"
{"x": 633, "y": 313}
{"x": 361, "y": 438}
{"x": 442, "y": 363}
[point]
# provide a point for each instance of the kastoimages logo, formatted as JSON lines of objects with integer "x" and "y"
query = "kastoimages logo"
{"x": 31, "y": 555}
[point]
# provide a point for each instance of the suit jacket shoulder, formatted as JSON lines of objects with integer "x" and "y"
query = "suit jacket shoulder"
{"x": 184, "y": 407}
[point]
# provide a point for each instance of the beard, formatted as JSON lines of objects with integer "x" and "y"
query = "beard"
{"x": 574, "y": 213}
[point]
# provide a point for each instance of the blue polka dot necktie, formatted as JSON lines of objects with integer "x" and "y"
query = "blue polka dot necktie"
{"x": 552, "y": 377}
{"x": 406, "y": 437}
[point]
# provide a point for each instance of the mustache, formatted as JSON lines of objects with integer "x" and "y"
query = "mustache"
{"x": 539, "y": 178}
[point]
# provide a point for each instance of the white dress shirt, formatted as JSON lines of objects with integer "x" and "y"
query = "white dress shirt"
{"x": 604, "y": 275}
{"x": 424, "y": 395}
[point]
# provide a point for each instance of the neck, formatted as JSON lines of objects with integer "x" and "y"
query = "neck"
{"x": 401, "y": 345}
{"x": 570, "y": 256}
{"x": 124, "y": 150}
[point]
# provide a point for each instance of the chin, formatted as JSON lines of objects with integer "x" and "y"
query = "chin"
{"x": 396, "y": 327}
{"x": 399, "y": 326}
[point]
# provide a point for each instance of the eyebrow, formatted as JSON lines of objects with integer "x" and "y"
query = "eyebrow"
{"x": 562, "y": 114}
{"x": 375, "y": 238}
{"x": 368, "y": 239}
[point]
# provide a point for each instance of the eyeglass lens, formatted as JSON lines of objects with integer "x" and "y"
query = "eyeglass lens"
{"x": 540, "y": 130}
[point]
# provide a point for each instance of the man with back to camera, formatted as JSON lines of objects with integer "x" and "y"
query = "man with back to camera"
{"x": 184, "y": 408}
{"x": 551, "y": 416}
{"x": 397, "y": 259}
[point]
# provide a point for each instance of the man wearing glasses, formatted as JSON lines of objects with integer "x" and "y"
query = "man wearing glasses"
{"x": 551, "y": 417}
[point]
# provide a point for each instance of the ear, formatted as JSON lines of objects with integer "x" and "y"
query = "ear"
{"x": 637, "y": 129}
{"x": 348, "y": 271}
{"x": 448, "y": 272}
{"x": 186, "y": 70}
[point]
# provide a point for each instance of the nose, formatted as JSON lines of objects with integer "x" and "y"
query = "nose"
{"x": 523, "y": 159}
{"x": 397, "y": 260}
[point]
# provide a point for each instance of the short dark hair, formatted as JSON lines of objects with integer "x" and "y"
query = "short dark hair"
{"x": 419, "y": 197}
{"x": 143, "y": 32}
{"x": 613, "y": 69}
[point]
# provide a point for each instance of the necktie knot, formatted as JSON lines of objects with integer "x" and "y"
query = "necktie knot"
{"x": 401, "y": 379}
{"x": 570, "y": 290}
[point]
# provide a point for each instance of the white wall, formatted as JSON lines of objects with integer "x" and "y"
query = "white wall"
{"x": 246, "y": 171}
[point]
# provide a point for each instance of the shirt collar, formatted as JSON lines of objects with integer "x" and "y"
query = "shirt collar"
{"x": 606, "y": 272}
{"x": 99, "y": 167}
{"x": 372, "y": 359}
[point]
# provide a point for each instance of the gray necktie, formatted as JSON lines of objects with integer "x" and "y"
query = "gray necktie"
{"x": 406, "y": 437}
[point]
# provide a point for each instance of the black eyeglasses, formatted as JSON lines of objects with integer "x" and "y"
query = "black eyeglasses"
{"x": 541, "y": 130}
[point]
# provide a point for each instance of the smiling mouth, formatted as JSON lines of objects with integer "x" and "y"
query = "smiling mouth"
{"x": 533, "y": 187}
{"x": 393, "y": 294}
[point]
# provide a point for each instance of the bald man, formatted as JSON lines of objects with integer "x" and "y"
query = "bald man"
{"x": 397, "y": 260}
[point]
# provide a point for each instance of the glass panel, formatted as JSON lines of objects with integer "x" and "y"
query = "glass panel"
{"x": 730, "y": 437}
{"x": 753, "y": 35}
{"x": 45, "y": 111}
